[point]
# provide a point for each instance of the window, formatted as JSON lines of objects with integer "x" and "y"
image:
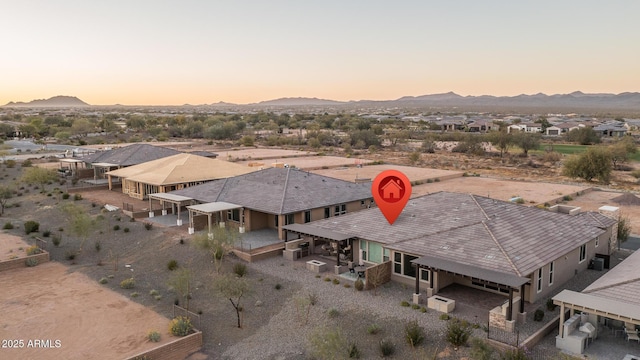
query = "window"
{"x": 424, "y": 274}
{"x": 363, "y": 247}
{"x": 539, "y": 288}
{"x": 402, "y": 264}
{"x": 289, "y": 219}
{"x": 277, "y": 222}
{"x": 385, "y": 255}
{"x": 373, "y": 252}
{"x": 340, "y": 210}
{"x": 233, "y": 215}
{"x": 327, "y": 212}
{"x": 583, "y": 253}
{"x": 307, "y": 216}
{"x": 551, "y": 266}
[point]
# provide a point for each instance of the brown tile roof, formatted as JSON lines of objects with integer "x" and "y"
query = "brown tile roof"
{"x": 280, "y": 191}
{"x": 475, "y": 230}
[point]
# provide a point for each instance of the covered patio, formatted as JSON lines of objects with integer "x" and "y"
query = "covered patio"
{"x": 176, "y": 202}
{"x": 214, "y": 212}
{"x": 323, "y": 242}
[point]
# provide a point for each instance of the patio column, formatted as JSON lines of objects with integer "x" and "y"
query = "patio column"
{"x": 151, "y": 214}
{"x": 521, "y": 299}
{"x": 416, "y": 294}
{"x": 337, "y": 253}
{"x": 241, "y": 229}
{"x": 209, "y": 225}
{"x": 221, "y": 222}
{"x": 164, "y": 209}
{"x": 561, "y": 319}
{"x": 110, "y": 182}
{"x": 510, "y": 307}
{"x": 191, "y": 226}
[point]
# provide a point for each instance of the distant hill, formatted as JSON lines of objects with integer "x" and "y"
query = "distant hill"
{"x": 299, "y": 101}
{"x": 56, "y": 101}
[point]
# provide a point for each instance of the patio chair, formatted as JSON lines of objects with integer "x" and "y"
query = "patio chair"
{"x": 632, "y": 335}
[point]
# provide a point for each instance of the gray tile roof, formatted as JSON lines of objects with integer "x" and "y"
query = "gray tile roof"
{"x": 279, "y": 191}
{"x": 620, "y": 283}
{"x": 474, "y": 230}
{"x": 130, "y": 155}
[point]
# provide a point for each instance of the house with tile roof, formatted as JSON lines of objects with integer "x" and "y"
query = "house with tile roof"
{"x": 497, "y": 246}
{"x": 172, "y": 173}
{"x": 274, "y": 197}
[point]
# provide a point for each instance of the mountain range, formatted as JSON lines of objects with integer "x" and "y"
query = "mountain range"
{"x": 575, "y": 101}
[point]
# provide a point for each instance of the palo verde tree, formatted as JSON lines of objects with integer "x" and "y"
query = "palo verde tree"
{"x": 595, "y": 163}
{"x": 81, "y": 223}
{"x": 181, "y": 281}
{"x": 621, "y": 150}
{"x": 501, "y": 140}
{"x": 39, "y": 176}
{"x": 5, "y": 194}
{"x": 526, "y": 141}
{"x": 233, "y": 288}
{"x": 219, "y": 243}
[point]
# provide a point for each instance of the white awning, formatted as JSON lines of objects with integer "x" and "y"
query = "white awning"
{"x": 169, "y": 197}
{"x": 213, "y": 207}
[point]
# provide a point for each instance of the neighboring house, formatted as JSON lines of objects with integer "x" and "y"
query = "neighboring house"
{"x": 611, "y": 129}
{"x": 553, "y": 131}
{"x": 565, "y": 127}
{"x": 612, "y": 300}
{"x": 172, "y": 173}
{"x": 275, "y": 197}
{"x": 444, "y": 238}
{"x": 516, "y": 128}
{"x": 104, "y": 161}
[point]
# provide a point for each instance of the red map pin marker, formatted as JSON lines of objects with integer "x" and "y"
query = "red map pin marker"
{"x": 391, "y": 190}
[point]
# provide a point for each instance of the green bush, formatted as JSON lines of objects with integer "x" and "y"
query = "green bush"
{"x": 126, "y": 230}
{"x": 550, "y": 305}
{"x": 46, "y": 233}
{"x": 404, "y": 303}
{"x": 135, "y": 294}
{"x": 415, "y": 306}
{"x": 278, "y": 287}
{"x": 116, "y": 227}
{"x": 444, "y": 317}
{"x": 514, "y": 354}
{"x": 153, "y": 336}
{"x": 8, "y": 225}
{"x": 172, "y": 265}
{"x": 458, "y": 332}
{"x": 180, "y": 326}
{"x": 538, "y": 315}
{"x": 333, "y": 313}
{"x": 480, "y": 350}
{"x": 373, "y": 329}
{"x": 77, "y": 197}
{"x": 148, "y": 225}
{"x": 33, "y": 250}
{"x": 359, "y": 285}
{"x": 129, "y": 283}
{"x": 387, "y": 347}
{"x": 65, "y": 196}
{"x": 103, "y": 280}
{"x": 31, "y": 226}
{"x": 336, "y": 281}
{"x": 414, "y": 333}
{"x": 70, "y": 255}
{"x": 56, "y": 240}
{"x": 30, "y": 262}
{"x": 354, "y": 352}
{"x": 240, "y": 269}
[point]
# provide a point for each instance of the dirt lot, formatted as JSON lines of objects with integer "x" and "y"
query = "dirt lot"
{"x": 80, "y": 317}
{"x": 309, "y": 162}
{"x": 371, "y": 171}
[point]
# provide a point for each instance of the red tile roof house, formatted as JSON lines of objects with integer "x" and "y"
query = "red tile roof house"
{"x": 501, "y": 247}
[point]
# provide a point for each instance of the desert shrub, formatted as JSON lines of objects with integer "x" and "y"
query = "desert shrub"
{"x": 387, "y": 347}
{"x": 129, "y": 283}
{"x": 445, "y": 317}
{"x": 333, "y": 313}
{"x": 336, "y": 281}
{"x": 116, "y": 227}
{"x": 46, "y": 233}
{"x": 97, "y": 246}
{"x": 32, "y": 250}
{"x": 538, "y": 315}
{"x": 278, "y": 287}
{"x": 423, "y": 309}
{"x": 30, "y": 262}
{"x": 458, "y": 332}
{"x": 153, "y": 336}
{"x": 65, "y": 196}
{"x": 347, "y": 286}
{"x": 56, "y": 240}
{"x": 404, "y": 303}
{"x": 126, "y": 230}
{"x": 172, "y": 265}
{"x": 148, "y": 225}
{"x": 153, "y": 292}
{"x": 10, "y": 163}
{"x": 240, "y": 269}
{"x": 135, "y": 294}
{"x": 551, "y": 156}
{"x": 157, "y": 297}
{"x": 103, "y": 280}
{"x": 480, "y": 350}
{"x": 31, "y": 226}
{"x": 354, "y": 352}
{"x": 180, "y": 326}
{"x": 8, "y": 225}
{"x": 514, "y": 354}
{"x": 359, "y": 285}
{"x": 415, "y": 306}
{"x": 414, "y": 333}
{"x": 567, "y": 198}
{"x": 27, "y": 163}
{"x": 327, "y": 279}
{"x": 550, "y": 305}
{"x": 70, "y": 254}
{"x": 373, "y": 329}
{"x": 77, "y": 197}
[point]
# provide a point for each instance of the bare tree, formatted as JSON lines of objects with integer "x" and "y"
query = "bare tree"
{"x": 233, "y": 288}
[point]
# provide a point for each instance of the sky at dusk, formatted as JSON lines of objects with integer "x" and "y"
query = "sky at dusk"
{"x": 200, "y": 52}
